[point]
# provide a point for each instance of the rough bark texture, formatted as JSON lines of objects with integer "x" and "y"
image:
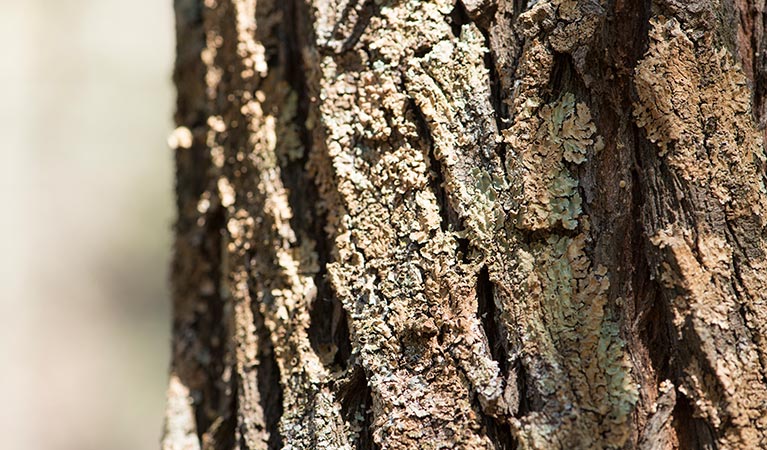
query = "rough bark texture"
{"x": 470, "y": 224}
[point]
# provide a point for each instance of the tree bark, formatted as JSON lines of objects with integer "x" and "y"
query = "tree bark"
{"x": 469, "y": 224}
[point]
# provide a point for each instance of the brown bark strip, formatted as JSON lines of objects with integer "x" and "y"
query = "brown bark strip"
{"x": 390, "y": 275}
{"x": 705, "y": 225}
{"x": 261, "y": 238}
{"x": 200, "y": 377}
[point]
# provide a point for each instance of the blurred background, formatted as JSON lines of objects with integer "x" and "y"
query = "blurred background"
{"x": 86, "y": 209}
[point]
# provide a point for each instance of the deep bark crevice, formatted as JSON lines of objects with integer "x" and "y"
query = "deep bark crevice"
{"x": 520, "y": 6}
{"x": 328, "y": 330}
{"x": 653, "y": 319}
{"x": 561, "y": 74}
{"x": 222, "y": 433}
{"x": 356, "y": 400}
{"x": 303, "y": 194}
{"x": 210, "y": 332}
{"x": 267, "y": 375}
{"x": 270, "y": 390}
{"x": 496, "y": 98}
{"x": 370, "y": 9}
{"x": 458, "y": 18}
{"x": 450, "y": 219}
{"x": 527, "y": 404}
{"x": 489, "y": 316}
{"x": 499, "y": 432}
{"x": 497, "y": 429}
{"x": 693, "y": 433}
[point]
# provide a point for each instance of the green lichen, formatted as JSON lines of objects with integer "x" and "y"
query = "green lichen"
{"x": 566, "y": 136}
{"x": 488, "y": 216}
{"x": 585, "y": 339}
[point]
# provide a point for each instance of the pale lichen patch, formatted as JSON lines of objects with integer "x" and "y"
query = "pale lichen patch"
{"x": 573, "y": 296}
{"x": 566, "y": 134}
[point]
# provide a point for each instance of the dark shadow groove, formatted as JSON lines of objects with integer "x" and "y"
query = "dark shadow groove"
{"x": 488, "y": 314}
{"x": 565, "y": 78}
{"x": 267, "y": 375}
{"x": 526, "y": 404}
{"x": 328, "y": 329}
{"x": 368, "y": 10}
{"x": 501, "y": 109}
{"x": 519, "y": 6}
{"x": 205, "y": 339}
{"x": 222, "y": 433}
{"x": 269, "y": 388}
{"x": 356, "y": 400}
{"x": 653, "y": 318}
{"x": 497, "y": 430}
{"x": 450, "y": 220}
{"x": 693, "y": 433}
{"x": 458, "y": 18}
{"x": 499, "y": 433}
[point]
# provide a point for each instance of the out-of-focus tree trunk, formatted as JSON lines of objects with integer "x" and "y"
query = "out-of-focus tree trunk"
{"x": 469, "y": 224}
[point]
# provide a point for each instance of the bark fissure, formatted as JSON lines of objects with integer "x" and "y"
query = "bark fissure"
{"x": 458, "y": 17}
{"x": 489, "y": 316}
{"x": 449, "y": 218}
{"x": 269, "y": 388}
{"x": 498, "y": 429}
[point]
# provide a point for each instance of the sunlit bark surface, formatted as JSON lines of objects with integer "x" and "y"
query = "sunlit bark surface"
{"x": 480, "y": 224}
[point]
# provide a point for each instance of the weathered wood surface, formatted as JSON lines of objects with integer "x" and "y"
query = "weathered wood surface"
{"x": 478, "y": 224}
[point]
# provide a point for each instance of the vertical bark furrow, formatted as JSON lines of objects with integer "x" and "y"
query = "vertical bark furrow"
{"x": 269, "y": 389}
{"x": 357, "y": 407}
{"x": 709, "y": 250}
{"x": 488, "y": 315}
{"x": 282, "y": 261}
{"x": 496, "y": 424}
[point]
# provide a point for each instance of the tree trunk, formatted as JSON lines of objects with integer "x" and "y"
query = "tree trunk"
{"x": 470, "y": 224}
